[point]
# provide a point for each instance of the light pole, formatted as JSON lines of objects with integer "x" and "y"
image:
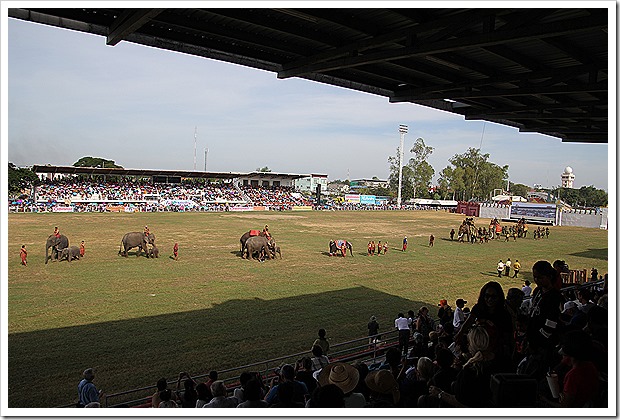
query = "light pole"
{"x": 402, "y": 129}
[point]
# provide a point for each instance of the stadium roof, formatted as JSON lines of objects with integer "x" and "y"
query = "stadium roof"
{"x": 542, "y": 70}
{"x": 159, "y": 172}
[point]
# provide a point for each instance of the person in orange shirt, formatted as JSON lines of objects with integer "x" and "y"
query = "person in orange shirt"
{"x": 23, "y": 254}
{"x": 82, "y": 249}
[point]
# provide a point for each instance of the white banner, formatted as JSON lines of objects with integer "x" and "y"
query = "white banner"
{"x": 62, "y": 209}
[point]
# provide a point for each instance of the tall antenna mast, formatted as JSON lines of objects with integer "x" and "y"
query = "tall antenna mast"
{"x": 195, "y": 133}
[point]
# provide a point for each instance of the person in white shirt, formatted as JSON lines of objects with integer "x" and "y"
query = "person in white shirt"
{"x": 459, "y": 316}
{"x": 402, "y": 325}
{"x": 500, "y": 268}
{"x": 507, "y": 267}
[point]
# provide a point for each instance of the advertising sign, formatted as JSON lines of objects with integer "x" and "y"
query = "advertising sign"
{"x": 352, "y": 198}
{"x": 367, "y": 199}
{"x": 534, "y": 211}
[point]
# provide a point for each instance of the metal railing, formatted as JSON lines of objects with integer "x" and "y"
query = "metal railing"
{"x": 359, "y": 349}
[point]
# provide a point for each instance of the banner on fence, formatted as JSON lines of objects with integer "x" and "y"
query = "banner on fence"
{"x": 62, "y": 209}
{"x": 302, "y": 208}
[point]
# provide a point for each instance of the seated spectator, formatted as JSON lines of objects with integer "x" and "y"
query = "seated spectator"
{"x": 361, "y": 387}
{"x": 204, "y": 395}
{"x": 472, "y": 387}
{"x": 322, "y": 341}
{"x": 304, "y": 374}
{"x": 319, "y": 360}
{"x": 345, "y": 377}
{"x": 384, "y": 390}
{"x": 327, "y": 396}
{"x": 166, "y": 401}
{"x": 443, "y": 377}
{"x": 581, "y": 384}
{"x": 490, "y": 311}
{"x": 220, "y": 399}
{"x": 392, "y": 361}
{"x": 161, "y": 385}
{"x": 286, "y": 396}
{"x": 252, "y": 392}
{"x": 286, "y": 374}
{"x": 87, "y": 391}
{"x": 415, "y": 382}
{"x": 188, "y": 396}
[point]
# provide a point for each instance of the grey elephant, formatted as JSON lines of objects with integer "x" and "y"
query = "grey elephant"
{"x": 70, "y": 253}
{"x": 247, "y": 235}
{"x": 136, "y": 239}
{"x": 276, "y": 250}
{"x": 260, "y": 246}
{"x": 55, "y": 243}
{"x": 154, "y": 253}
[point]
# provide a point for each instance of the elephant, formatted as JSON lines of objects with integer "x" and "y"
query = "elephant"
{"x": 248, "y": 235}
{"x": 258, "y": 245}
{"x": 136, "y": 239}
{"x": 276, "y": 250}
{"x": 154, "y": 252}
{"x": 55, "y": 243}
{"x": 70, "y": 253}
{"x": 335, "y": 247}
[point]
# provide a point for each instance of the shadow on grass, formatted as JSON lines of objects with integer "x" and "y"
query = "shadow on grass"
{"x": 133, "y": 353}
{"x": 597, "y": 254}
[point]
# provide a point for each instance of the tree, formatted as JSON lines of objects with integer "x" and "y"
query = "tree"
{"x": 422, "y": 172}
{"x": 519, "y": 189}
{"x": 583, "y": 197}
{"x": 20, "y": 179}
{"x": 473, "y": 176}
{"x": 263, "y": 169}
{"x": 93, "y": 162}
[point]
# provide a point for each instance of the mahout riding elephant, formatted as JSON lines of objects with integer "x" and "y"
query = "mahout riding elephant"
{"x": 55, "y": 243}
{"x": 247, "y": 235}
{"x": 70, "y": 253}
{"x": 335, "y": 247}
{"x": 260, "y": 246}
{"x": 136, "y": 239}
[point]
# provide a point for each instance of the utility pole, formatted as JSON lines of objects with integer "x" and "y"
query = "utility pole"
{"x": 195, "y": 132}
{"x": 402, "y": 129}
{"x": 206, "y": 154}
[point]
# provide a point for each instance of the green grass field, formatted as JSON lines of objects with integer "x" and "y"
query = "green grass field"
{"x": 137, "y": 319}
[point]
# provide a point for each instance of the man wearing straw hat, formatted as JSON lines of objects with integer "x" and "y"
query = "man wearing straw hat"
{"x": 345, "y": 377}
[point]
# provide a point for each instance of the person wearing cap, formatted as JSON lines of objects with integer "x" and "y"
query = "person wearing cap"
{"x": 405, "y": 243}
{"x": 569, "y": 310}
{"x": 384, "y": 389}
{"x": 444, "y": 313}
{"x": 147, "y": 232}
{"x": 87, "y": 391}
{"x": 345, "y": 377}
{"x": 459, "y": 315}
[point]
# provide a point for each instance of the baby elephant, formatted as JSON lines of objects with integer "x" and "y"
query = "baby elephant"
{"x": 154, "y": 253}
{"x": 70, "y": 253}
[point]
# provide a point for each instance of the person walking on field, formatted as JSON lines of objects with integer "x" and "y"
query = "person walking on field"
{"x": 431, "y": 240}
{"x": 23, "y": 254}
{"x": 516, "y": 267}
{"x": 507, "y": 267}
{"x": 404, "y": 244}
{"x": 385, "y": 247}
{"x": 82, "y": 249}
{"x": 500, "y": 268}
{"x": 175, "y": 251}
{"x": 452, "y": 232}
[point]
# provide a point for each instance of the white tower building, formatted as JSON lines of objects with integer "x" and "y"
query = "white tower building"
{"x": 568, "y": 177}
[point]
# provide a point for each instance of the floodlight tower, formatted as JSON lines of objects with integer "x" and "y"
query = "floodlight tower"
{"x": 195, "y": 132}
{"x": 402, "y": 129}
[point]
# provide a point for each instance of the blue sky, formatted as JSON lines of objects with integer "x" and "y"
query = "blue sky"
{"x": 70, "y": 95}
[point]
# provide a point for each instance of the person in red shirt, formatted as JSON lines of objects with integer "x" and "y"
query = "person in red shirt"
{"x": 23, "y": 255}
{"x": 82, "y": 249}
{"x": 56, "y": 232}
{"x": 175, "y": 250}
{"x": 581, "y": 383}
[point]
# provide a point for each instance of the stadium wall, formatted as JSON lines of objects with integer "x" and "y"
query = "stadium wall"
{"x": 494, "y": 211}
{"x": 584, "y": 219}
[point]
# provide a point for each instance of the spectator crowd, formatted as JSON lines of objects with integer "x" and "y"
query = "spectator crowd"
{"x": 551, "y": 342}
